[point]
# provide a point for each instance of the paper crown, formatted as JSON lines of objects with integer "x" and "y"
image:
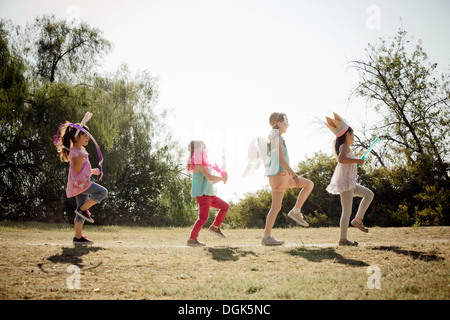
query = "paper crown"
{"x": 337, "y": 125}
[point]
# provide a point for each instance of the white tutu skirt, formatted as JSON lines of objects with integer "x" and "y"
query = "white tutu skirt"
{"x": 344, "y": 178}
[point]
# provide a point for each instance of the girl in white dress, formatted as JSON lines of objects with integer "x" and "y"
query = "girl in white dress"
{"x": 343, "y": 181}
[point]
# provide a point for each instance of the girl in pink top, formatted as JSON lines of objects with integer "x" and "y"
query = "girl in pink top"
{"x": 79, "y": 185}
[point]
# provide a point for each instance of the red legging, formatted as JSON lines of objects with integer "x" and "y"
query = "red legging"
{"x": 204, "y": 203}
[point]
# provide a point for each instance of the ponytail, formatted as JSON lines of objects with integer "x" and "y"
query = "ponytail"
{"x": 67, "y": 138}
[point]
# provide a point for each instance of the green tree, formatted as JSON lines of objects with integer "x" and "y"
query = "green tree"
{"x": 140, "y": 158}
{"x": 144, "y": 182}
{"x": 61, "y": 49}
{"x": 14, "y": 142}
{"x": 321, "y": 208}
{"x": 251, "y": 211}
{"x": 412, "y": 99}
{"x": 414, "y": 102}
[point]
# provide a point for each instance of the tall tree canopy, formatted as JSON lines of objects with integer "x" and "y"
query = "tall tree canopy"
{"x": 62, "y": 49}
{"x": 412, "y": 99}
{"x": 46, "y": 78}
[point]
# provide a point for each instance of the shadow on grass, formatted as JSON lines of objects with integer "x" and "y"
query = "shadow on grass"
{"x": 73, "y": 256}
{"x": 321, "y": 254}
{"x": 228, "y": 253}
{"x": 424, "y": 256}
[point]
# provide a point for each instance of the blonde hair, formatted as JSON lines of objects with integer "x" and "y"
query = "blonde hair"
{"x": 275, "y": 118}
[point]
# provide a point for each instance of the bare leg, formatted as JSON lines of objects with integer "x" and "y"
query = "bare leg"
{"x": 78, "y": 229}
{"x": 307, "y": 186}
{"x": 88, "y": 204}
{"x": 277, "y": 199}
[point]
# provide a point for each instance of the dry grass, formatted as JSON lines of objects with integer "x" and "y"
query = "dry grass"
{"x": 151, "y": 263}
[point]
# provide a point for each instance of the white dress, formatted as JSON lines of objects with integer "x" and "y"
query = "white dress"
{"x": 344, "y": 177}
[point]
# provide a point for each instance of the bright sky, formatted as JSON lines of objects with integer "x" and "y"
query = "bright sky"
{"x": 225, "y": 65}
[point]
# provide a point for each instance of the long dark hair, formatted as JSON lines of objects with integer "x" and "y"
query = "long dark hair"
{"x": 66, "y": 139}
{"x": 340, "y": 141}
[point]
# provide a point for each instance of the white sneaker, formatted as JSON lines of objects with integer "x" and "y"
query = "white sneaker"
{"x": 298, "y": 217}
{"x": 271, "y": 241}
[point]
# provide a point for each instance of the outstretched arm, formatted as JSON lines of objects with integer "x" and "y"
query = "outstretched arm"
{"x": 208, "y": 175}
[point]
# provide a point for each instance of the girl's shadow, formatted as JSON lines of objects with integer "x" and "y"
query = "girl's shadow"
{"x": 228, "y": 253}
{"x": 73, "y": 256}
{"x": 318, "y": 255}
{"x": 424, "y": 256}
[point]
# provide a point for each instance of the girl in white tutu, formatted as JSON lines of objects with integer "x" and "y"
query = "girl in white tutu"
{"x": 343, "y": 181}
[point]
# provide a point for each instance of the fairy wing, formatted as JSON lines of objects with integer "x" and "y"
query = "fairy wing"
{"x": 257, "y": 154}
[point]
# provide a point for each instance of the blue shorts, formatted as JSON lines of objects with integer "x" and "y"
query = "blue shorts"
{"x": 95, "y": 192}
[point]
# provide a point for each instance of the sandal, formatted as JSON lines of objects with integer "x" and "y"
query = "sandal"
{"x": 360, "y": 226}
{"x": 348, "y": 243}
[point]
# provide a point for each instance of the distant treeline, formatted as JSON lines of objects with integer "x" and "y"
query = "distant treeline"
{"x": 402, "y": 198}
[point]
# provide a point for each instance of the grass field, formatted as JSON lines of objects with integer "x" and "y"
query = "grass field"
{"x": 39, "y": 261}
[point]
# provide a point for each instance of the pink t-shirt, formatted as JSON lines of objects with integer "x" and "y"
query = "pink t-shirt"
{"x": 81, "y": 181}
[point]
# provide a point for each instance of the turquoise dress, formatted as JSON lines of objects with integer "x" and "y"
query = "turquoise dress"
{"x": 274, "y": 164}
{"x": 201, "y": 186}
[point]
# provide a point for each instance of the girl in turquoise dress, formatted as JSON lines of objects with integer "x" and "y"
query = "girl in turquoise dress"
{"x": 281, "y": 176}
{"x": 204, "y": 193}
